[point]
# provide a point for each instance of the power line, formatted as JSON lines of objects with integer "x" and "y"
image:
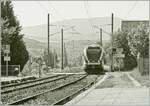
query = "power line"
{"x": 86, "y": 7}
{"x": 43, "y": 7}
{"x": 60, "y": 16}
{"x": 133, "y": 6}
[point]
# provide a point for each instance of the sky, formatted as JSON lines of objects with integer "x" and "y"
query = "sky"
{"x": 31, "y": 13}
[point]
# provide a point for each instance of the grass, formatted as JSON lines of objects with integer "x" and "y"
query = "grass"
{"x": 119, "y": 80}
{"x": 142, "y": 79}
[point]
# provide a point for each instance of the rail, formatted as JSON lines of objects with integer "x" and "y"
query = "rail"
{"x": 38, "y": 94}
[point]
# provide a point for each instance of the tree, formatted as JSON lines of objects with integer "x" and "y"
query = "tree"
{"x": 11, "y": 35}
{"x": 121, "y": 41}
{"x": 139, "y": 41}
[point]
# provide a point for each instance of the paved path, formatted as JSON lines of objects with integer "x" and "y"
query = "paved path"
{"x": 113, "y": 96}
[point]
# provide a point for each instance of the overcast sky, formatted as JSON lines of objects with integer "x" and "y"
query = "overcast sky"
{"x": 32, "y": 13}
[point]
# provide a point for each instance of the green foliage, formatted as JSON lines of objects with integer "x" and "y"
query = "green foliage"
{"x": 139, "y": 41}
{"x": 11, "y": 35}
{"x": 121, "y": 41}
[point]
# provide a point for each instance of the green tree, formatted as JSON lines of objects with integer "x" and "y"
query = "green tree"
{"x": 11, "y": 35}
{"x": 139, "y": 41}
{"x": 121, "y": 41}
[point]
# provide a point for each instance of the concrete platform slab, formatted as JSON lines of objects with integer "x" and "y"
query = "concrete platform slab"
{"x": 109, "y": 96}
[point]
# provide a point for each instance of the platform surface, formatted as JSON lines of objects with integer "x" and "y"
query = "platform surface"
{"x": 127, "y": 96}
{"x": 115, "y": 96}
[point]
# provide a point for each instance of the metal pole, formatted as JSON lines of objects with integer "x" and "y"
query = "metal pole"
{"x": 101, "y": 37}
{"x": 48, "y": 29}
{"x": 29, "y": 66}
{"x": 7, "y": 68}
{"x": 112, "y": 24}
{"x": 54, "y": 58}
{"x": 39, "y": 71}
{"x": 62, "y": 62}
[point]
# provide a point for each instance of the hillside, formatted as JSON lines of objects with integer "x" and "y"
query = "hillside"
{"x": 34, "y": 47}
{"x": 82, "y": 26}
{"x": 74, "y": 43}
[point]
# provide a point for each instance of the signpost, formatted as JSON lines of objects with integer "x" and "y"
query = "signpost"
{"x": 6, "y": 50}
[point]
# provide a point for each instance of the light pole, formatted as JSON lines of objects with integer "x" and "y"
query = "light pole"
{"x": 62, "y": 60}
{"x": 112, "y": 25}
{"x": 48, "y": 29}
{"x": 100, "y": 34}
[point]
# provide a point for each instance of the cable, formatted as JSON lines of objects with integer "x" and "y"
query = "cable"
{"x": 60, "y": 16}
{"x": 87, "y": 12}
{"x": 131, "y": 9}
{"x": 45, "y": 9}
{"x": 106, "y": 32}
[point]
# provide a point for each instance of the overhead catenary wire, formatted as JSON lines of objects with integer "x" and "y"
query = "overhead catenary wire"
{"x": 65, "y": 23}
{"x": 86, "y": 7}
{"x": 131, "y": 9}
{"x": 61, "y": 25}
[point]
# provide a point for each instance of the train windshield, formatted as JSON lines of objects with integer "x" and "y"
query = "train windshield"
{"x": 93, "y": 54}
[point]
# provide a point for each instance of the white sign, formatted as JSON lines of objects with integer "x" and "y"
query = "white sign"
{"x": 6, "y": 58}
{"x": 119, "y": 50}
{"x": 119, "y": 55}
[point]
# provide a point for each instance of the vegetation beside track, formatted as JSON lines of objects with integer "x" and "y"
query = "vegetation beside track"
{"x": 142, "y": 79}
{"x": 116, "y": 80}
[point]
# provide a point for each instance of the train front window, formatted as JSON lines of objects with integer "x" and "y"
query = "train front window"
{"x": 93, "y": 54}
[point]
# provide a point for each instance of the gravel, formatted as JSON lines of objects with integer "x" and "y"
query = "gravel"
{"x": 51, "y": 97}
{"x": 10, "y": 97}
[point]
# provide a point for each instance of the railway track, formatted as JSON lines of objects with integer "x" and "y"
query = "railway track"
{"x": 9, "y": 95}
{"x": 71, "y": 96}
{"x": 60, "y": 86}
{"x": 18, "y": 86}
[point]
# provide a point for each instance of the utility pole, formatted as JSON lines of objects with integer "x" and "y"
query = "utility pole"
{"x": 48, "y": 29}
{"x": 112, "y": 25}
{"x": 62, "y": 60}
{"x": 101, "y": 37}
{"x": 54, "y": 58}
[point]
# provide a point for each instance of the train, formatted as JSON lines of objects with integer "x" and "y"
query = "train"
{"x": 93, "y": 59}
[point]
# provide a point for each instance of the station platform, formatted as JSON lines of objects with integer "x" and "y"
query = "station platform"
{"x": 112, "y": 96}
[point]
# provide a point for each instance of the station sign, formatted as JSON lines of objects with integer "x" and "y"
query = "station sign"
{"x": 6, "y": 58}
